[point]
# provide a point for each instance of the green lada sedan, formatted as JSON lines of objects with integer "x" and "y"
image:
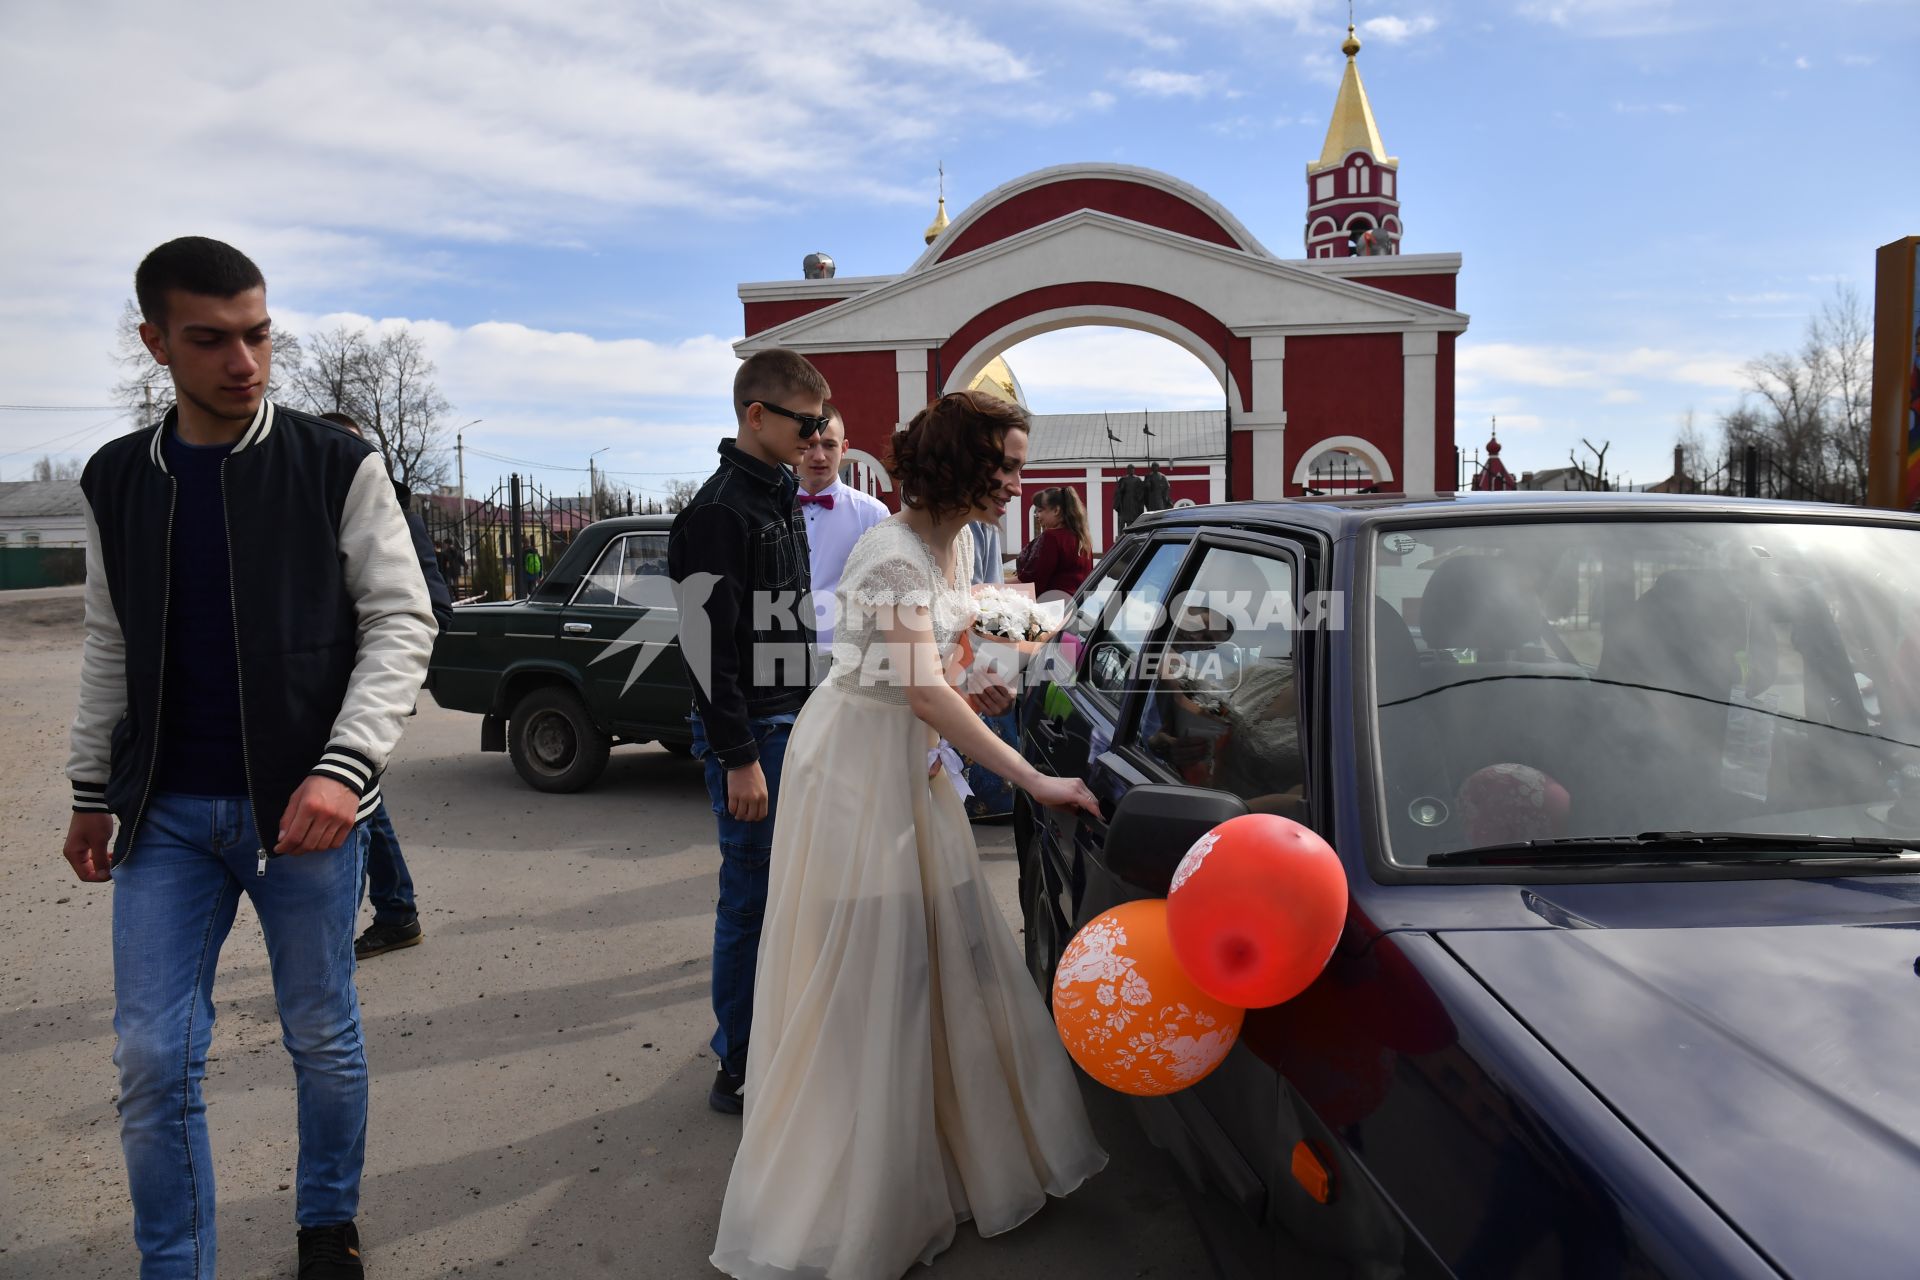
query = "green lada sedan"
{"x": 591, "y": 658}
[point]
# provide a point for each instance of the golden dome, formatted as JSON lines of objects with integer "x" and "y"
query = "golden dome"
{"x": 939, "y": 222}
{"x": 997, "y": 379}
{"x": 1352, "y": 127}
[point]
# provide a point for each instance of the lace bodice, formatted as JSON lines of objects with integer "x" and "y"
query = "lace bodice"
{"x": 889, "y": 568}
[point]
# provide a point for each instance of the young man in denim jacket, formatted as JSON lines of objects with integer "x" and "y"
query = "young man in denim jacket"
{"x": 738, "y": 557}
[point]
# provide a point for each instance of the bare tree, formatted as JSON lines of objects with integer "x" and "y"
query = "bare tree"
{"x": 47, "y": 468}
{"x": 1840, "y": 340}
{"x": 403, "y": 409}
{"x": 145, "y": 386}
{"x": 330, "y": 374}
{"x": 680, "y": 493}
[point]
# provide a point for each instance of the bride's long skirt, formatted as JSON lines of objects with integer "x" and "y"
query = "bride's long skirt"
{"x": 903, "y": 1073}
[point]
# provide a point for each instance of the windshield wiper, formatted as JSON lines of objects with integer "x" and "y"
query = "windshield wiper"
{"x": 1715, "y": 846}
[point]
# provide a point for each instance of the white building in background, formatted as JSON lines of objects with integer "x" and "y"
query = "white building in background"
{"x": 42, "y": 513}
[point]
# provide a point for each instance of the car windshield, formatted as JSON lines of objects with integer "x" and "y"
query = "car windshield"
{"x": 1540, "y": 685}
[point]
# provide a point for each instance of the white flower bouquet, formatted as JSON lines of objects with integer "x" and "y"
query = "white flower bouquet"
{"x": 1008, "y": 612}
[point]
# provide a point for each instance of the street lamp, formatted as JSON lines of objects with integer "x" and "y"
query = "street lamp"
{"x": 593, "y": 490}
{"x": 460, "y": 459}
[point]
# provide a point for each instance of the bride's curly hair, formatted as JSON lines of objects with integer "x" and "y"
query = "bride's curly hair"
{"x": 945, "y": 459}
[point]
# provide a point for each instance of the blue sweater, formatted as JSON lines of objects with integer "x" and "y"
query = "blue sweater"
{"x": 200, "y": 751}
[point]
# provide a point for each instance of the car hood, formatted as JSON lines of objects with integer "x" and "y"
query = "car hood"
{"x": 1777, "y": 1069}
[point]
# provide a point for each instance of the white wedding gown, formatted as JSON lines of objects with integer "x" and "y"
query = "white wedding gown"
{"x": 903, "y": 1073}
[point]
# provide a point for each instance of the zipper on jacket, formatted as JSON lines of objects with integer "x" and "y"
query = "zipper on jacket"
{"x": 239, "y": 672}
{"x": 160, "y": 695}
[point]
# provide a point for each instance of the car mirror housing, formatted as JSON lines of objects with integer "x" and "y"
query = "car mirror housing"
{"x": 1153, "y": 827}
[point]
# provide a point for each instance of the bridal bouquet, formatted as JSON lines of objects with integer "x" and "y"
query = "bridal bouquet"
{"x": 1011, "y": 613}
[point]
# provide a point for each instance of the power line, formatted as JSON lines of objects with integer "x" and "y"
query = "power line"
{"x": 68, "y": 438}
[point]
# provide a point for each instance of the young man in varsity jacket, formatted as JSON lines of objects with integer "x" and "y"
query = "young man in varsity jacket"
{"x": 256, "y": 632}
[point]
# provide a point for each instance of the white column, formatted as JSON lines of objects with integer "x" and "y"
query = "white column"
{"x": 1267, "y": 420}
{"x": 1096, "y": 510}
{"x": 1216, "y": 482}
{"x": 910, "y": 366}
{"x": 1419, "y": 355}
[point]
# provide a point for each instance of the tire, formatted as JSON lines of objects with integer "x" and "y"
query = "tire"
{"x": 553, "y": 742}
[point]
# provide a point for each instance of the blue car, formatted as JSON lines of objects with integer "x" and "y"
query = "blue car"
{"x": 1627, "y": 793}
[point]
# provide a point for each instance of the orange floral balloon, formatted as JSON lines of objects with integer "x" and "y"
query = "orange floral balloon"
{"x": 1129, "y": 1014}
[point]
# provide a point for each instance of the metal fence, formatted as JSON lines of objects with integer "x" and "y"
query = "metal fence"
{"x": 500, "y": 546}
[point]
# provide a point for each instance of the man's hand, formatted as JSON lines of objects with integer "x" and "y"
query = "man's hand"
{"x": 747, "y": 792}
{"x": 991, "y": 699}
{"x": 89, "y": 836}
{"x": 318, "y": 817}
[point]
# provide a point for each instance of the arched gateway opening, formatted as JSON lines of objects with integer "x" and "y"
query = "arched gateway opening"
{"x": 1304, "y": 351}
{"x": 1109, "y": 403}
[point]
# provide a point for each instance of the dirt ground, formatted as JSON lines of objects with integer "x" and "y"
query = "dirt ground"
{"x": 539, "y": 1063}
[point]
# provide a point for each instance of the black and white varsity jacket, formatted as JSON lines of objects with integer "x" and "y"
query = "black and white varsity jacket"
{"x": 332, "y": 628}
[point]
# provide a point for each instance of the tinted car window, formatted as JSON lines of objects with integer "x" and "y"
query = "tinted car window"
{"x": 1220, "y": 709}
{"x": 1116, "y": 645}
{"x": 1548, "y": 681}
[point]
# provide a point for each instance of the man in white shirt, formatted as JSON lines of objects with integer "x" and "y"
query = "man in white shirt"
{"x": 836, "y": 516}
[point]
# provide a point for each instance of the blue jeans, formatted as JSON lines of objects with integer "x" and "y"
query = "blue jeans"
{"x": 389, "y": 884}
{"x": 744, "y": 849}
{"x": 174, "y": 899}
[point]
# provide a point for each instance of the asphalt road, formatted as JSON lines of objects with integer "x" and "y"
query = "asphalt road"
{"x": 539, "y": 1063}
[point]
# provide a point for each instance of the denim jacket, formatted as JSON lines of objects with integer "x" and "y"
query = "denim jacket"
{"x": 739, "y": 552}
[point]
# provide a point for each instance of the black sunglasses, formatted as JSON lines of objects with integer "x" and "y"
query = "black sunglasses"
{"x": 811, "y": 425}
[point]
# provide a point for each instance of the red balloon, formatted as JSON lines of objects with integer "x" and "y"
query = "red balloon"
{"x": 1255, "y": 909}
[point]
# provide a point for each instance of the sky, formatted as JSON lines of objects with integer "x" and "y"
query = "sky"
{"x": 562, "y": 196}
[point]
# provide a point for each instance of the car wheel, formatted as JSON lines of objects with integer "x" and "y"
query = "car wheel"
{"x": 553, "y": 742}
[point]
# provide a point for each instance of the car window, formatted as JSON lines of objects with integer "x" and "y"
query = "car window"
{"x": 602, "y": 582}
{"x": 1604, "y": 679}
{"x": 1220, "y": 709}
{"x": 643, "y": 572}
{"x": 1115, "y": 646}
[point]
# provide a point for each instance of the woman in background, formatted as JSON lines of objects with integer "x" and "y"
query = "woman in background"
{"x": 1060, "y": 559}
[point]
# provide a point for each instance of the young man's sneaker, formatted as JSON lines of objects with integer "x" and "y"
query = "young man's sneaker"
{"x": 330, "y": 1253}
{"x": 725, "y": 1094}
{"x": 382, "y": 938}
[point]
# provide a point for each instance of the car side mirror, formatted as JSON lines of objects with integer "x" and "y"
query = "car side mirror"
{"x": 1153, "y": 827}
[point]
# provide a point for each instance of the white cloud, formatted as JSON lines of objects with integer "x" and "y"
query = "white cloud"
{"x": 1642, "y": 108}
{"x": 1100, "y": 99}
{"x": 1158, "y": 83}
{"x": 1801, "y": 64}
{"x": 483, "y": 123}
{"x": 1857, "y": 59}
{"x": 1613, "y": 19}
{"x": 1621, "y": 395}
{"x": 1396, "y": 30}
{"x": 1579, "y": 367}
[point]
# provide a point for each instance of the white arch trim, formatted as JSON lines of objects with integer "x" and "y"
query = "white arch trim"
{"x": 1382, "y": 473}
{"x": 968, "y": 367}
{"x": 1064, "y": 172}
{"x": 873, "y": 466}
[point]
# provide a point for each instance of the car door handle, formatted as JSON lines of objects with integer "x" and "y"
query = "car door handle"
{"x": 577, "y": 628}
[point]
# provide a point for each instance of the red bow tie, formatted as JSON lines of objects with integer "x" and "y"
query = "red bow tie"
{"x": 822, "y": 499}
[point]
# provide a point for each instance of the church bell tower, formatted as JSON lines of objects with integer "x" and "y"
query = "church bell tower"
{"x": 1353, "y": 189}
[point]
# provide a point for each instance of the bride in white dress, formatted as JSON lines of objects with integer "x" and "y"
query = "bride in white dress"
{"x": 904, "y": 1074}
